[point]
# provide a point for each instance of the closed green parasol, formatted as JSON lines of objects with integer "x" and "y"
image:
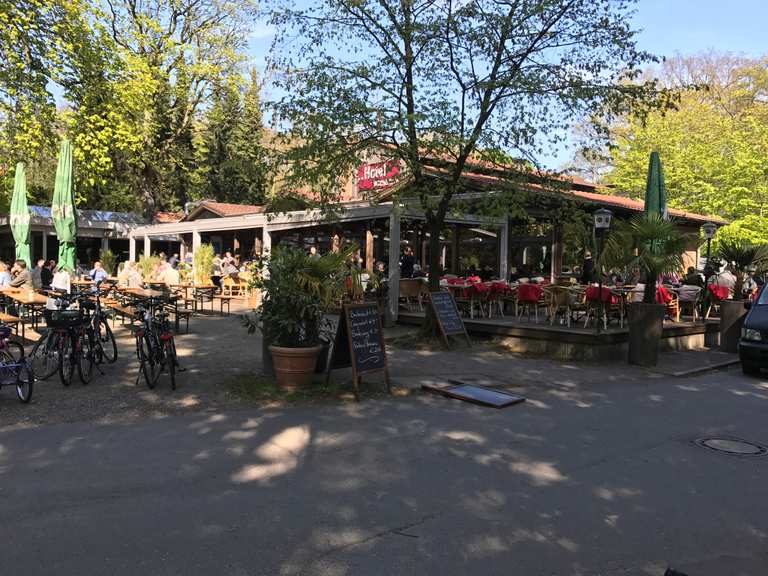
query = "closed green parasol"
{"x": 655, "y": 190}
{"x": 20, "y": 215}
{"x": 63, "y": 208}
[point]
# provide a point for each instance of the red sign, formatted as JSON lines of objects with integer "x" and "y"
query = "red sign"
{"x": 378, "y": 176}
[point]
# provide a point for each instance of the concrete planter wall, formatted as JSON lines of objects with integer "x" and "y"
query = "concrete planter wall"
{"x": 646, "y": 324}
{"x": 732, "y": 313}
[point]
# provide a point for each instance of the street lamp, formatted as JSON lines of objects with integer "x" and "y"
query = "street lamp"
{"x": 602, "y": 219}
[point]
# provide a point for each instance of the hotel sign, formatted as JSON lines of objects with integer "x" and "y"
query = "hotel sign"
{"x": 378, "y": 176}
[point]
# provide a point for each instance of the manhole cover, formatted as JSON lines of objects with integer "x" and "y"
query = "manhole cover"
{"x": 733, "y": 446}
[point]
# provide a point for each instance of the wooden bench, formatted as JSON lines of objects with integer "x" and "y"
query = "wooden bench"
{"x": 178, "y": 314}
{"x": 224, "y": 299}
{"x": 122, "y": 311}
{"x": 13, "y": 322}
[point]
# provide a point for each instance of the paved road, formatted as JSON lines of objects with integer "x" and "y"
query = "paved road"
{"x": 583, "y": 479}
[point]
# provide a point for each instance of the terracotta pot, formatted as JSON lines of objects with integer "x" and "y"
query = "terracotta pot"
{"x": 294, "y": 367}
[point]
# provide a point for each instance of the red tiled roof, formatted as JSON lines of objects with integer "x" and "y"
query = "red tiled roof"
{"x": 167, "y": 217}
{"x": 225, "y": 209}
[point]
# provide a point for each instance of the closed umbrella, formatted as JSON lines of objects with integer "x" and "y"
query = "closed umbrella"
{"x": 655, "y": 190}
{"x": 20, "y": 215}
{"x": 63, "y": 208}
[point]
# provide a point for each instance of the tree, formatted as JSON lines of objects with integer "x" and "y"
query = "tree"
{"x": 454, "y": 80}
{"x": 713, "y": 145}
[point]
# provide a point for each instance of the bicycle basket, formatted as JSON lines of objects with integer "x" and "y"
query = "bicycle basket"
{"x": 63, "y": 318}
{"x": 5, "y": 332}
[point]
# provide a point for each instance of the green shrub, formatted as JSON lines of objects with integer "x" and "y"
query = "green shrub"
{"x": 147, "y": 265}
{"x": 203, "y": 264}
{"x": 108, "y": 261}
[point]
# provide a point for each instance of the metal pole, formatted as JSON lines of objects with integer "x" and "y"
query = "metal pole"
{"x": 600, "y": 280}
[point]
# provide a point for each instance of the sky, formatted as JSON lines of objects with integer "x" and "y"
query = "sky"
{"x": 667, "y": 28}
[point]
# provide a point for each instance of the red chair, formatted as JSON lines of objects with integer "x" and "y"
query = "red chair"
{"x": 597, "y": 304}
{"x": 529, "y": 296}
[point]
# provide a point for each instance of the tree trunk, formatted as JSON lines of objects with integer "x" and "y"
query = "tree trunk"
{"x": 435, "y": 226}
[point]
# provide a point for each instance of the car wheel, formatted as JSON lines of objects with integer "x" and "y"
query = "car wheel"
{"x": 750, "y": 369}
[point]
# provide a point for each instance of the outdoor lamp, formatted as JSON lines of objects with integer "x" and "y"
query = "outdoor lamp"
{"x": 602, "y": 218}
{"x": 709, "y": 229}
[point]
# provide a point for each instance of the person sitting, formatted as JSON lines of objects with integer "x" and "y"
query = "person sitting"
{"x": 62, "y": 280}
{"x": 21, "y": 276}
{"x": 98, "y": 274}
{"x": 37, "y": 271}
{"x": 46, "y": 273}
{"x": 5, "y": 276}
{"x": 693, "y": 278}
{"x": 725, "y": 278}
{"x": 168, "y": 275}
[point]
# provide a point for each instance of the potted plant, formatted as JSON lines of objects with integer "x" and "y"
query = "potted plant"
{"x": 655, "y": 246}
{"x": 297, "y": 291}
{"x": 202, "y": 264}
{"x": 739, "y": 257}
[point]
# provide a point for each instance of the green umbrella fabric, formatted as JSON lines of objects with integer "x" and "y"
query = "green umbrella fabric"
{"x": 19, "y": 216}
{"x": 63, "y": 208}
{"x": 655, "y": 190}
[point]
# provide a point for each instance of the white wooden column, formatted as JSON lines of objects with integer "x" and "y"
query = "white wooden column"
{"x": 182, "y": 250}
{"x": 266, "y": 241}
{"x": 104, "y": 243}
{"x": 394, "y": 262}
{"x": 147, "y": 246}
{"x": 504, "y": 251}
{"x": 196, "y": 241}
{"x": 132, "y": 248}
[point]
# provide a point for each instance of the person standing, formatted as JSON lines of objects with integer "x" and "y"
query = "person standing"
{"x": 406, "y": 263}
{"x": 174, "y": 261}
{"x": 37, "y": 274}
{"x": 587, "y": 269}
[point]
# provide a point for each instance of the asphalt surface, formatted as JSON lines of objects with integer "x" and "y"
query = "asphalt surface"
{"x": 593, "y": 479}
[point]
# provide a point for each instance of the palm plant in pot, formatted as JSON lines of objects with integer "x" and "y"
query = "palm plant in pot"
{"x": 740, "y": 257}
{"x": 297, "y": 291}
{"x": 655, "y": 246}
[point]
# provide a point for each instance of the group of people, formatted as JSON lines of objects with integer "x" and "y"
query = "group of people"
{"x": 19, "y": 275}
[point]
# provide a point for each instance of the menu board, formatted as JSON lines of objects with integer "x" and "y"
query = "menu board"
{"x": 359, "y": 343}
{"x": 447, "y": 313}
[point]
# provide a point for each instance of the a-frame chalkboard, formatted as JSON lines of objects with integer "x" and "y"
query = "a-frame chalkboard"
{"x": 359, "y": 343}
{"x": 449, "y": 320}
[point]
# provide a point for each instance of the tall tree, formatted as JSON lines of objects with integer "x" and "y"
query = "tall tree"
{"x": 713, "y": 145}
{"x": 449, "y": 79}
{"x": 177, "y": 50}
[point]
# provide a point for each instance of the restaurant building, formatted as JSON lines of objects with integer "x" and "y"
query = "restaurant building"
{"x": 501, "y": 245}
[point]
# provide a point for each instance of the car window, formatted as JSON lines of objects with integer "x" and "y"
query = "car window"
{"x": 763, "y": 299}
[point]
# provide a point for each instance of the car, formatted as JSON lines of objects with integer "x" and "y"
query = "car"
{"x": 753, "y": 344}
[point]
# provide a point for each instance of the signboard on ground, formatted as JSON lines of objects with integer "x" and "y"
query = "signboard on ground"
{"x": 359, "y": 343}
{"x": 449, "y": 320}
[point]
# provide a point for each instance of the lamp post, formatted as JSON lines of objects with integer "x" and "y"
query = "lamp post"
{"x": 708, "y": 229}
{"x": 602, "y": 220}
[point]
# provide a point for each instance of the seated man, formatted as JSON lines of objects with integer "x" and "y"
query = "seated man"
{"x": 22, "y": 277}
{"x": 98, "y": 274}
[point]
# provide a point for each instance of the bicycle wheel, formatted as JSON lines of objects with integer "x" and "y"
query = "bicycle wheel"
{"x": 170, "y": 360}
{"x": 16, "y": 349}
{"x": 148, "y": 365}
{"x": 25, "y": 381}
{"x": 45, "y": 356}
{"x": 66, "y": 360}
{"x": 85, "y": 358}
{"x": 107, "y": 341}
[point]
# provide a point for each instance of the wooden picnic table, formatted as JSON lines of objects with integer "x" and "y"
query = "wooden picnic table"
{"x": 143, "y": 292}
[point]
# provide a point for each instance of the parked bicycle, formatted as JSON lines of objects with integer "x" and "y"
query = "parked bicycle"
{"x": 155, "y": 346}
{"x": 15, "y": 371}
{"x": 84, "y": 335}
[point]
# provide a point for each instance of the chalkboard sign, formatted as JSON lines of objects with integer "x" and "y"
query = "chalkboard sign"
{"x": 359, "y": 343}
{"x": 447, "y": 313}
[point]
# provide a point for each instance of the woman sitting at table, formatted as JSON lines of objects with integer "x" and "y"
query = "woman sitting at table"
{"x": 5, "y": 276}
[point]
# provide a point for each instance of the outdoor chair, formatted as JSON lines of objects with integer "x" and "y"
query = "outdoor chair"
{"x": 559, "y": 301}
{"x": 203, "y": 295}
{"x": 598, "y": 301}
{"x": 232, "y": 287}
{"x": 688, "y": 298}
{"x": 529, "y": 297}
{"x": 714, "y": 295}
{"x": 510, "y": 298}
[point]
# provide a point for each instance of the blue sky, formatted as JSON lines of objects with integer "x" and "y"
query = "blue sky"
{"x": 668, "y": 27}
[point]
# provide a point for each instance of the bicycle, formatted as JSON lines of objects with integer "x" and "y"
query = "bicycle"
{"x": 73, "y": 346}
{"x": 101, "y": 339}
{"x": 13, "y": 371}
{"x": 155, "y": 347}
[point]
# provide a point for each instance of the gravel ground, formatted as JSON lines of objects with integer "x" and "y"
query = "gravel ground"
{"x": 215, "y": 349}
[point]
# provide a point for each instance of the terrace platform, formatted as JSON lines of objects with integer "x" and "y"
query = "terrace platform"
{"x": 578, "y": 343}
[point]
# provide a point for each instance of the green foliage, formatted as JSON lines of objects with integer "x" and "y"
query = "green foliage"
{"x": 713, "y": 145}
{"x": 147, "y": 265}
{"x": 751, "y": 229}
{"x": 108, "y": 261}
{"x": 297, "y": 291}
{"x": 741, "y": 258}
{"x": 202, "y": 264}
{"x": 649, "y": 243}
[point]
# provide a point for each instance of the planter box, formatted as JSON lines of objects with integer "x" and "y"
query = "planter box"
{"x": 646, "y": 324}
{"x": 732, "y": 313}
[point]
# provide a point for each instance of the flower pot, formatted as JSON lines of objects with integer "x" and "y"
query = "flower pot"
{"x": 646, "y": 323}
{"x": 732, "y": 314}
{"x": 294, "y": 367}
